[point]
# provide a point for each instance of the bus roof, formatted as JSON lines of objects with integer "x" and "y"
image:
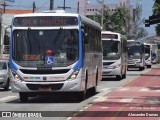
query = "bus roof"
{"x": 83, "y": 18}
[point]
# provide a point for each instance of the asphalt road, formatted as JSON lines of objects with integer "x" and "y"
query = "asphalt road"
{"x": 60, "y": 102}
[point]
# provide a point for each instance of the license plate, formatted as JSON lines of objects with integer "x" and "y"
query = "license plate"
{"x": 45, "y": 89}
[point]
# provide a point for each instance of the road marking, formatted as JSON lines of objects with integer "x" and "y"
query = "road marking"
{"x": 7, "y": 98}
{"x": 101, "y": 99}
{"x": 124, "y": 89}
{"x": 126, "y": 100}
{"x": 104, "y": 107}
{"x": 157, "y": 90}
{"x": 144, "y": 90}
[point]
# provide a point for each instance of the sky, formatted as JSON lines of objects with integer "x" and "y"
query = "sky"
{"x": 44, "y": 4}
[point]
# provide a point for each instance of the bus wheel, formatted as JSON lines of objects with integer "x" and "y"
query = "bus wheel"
{"x": 141, "y": 68}
{"x": 118, "y": 77}
{"x": 124, "y": 76}
{"x": 81, "y": 96}
{"x": 6, "y": 88}
{"x": 23, "y": 97}
{"x": 148, "y": 66}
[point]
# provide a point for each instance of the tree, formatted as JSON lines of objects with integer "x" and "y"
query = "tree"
{"x": 139, "y": 31}
{"x": 156, "y": 10}
{"x": 113, "y": 21}
{"x": 120, "y": 19}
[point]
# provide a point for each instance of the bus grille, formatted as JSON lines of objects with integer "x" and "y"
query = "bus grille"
{"x": 107, "y": 63}
{"x": 44, "y": 71}
{"x": 37, "y": 86}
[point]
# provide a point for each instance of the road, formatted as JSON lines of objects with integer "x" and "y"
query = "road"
{"x": 112, "y": 95}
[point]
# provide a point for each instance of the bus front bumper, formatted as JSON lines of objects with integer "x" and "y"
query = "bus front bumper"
{"x": 111, "y": 72}
{"x": 67, "y": 86}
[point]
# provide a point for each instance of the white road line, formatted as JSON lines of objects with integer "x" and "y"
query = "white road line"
{"x": 7, "y": 98}
{"x": 144, "y": 90}
{"x": 124, "y": 89}
{"x": 101, "y": 99}
{"x": 126, "y": 100}
{"x": 157, "y": 90}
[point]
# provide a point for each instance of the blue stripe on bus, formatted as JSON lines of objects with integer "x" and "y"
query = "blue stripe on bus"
{"x": 79, "y": 63}
{"x": 12, "y": 66}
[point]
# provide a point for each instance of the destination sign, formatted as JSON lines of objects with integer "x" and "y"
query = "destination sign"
{"x": 110, "y": 36}
{"x": 44, "y": 21}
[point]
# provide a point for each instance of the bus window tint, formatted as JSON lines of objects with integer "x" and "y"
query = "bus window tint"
{"x": 31, "y": 45}
{"x": 111, "y": 50}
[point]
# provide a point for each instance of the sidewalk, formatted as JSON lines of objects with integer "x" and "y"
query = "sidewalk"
{"x": 137, "y": 100}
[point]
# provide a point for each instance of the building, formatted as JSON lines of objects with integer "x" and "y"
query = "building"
{"x": 89, "y": 9}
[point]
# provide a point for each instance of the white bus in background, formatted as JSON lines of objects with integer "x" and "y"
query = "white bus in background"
{"x": 148, "y": 54}
{"x": 136, "y": 54}
{"x": 5, "y": 35}
{"x": 154, "y": 53}
{"x": 114, "y": 55}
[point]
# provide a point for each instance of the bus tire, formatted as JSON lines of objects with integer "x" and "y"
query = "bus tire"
{"x": 118, "y": 77}
{"x": 23, "y": 97}
{"x": 148, "y": 66}
{"x": 81, "y": 96}
{"x": 124, "y": 76}
{"x": 6, "y": 88}
{"x": 141, "y": 68}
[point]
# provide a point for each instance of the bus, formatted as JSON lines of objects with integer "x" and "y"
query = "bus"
{"x": 5, "y": 35}
{"x": 148, "y": 54}
{"x": 136, "y": 54}
{"x": 55, "y": 52}
{"x": 114, "y": 55}
{"x": 154, "y": 53}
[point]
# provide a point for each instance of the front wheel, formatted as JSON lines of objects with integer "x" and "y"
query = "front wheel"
{"x": 6, "y": 88}
{"x": 23, "y": 97}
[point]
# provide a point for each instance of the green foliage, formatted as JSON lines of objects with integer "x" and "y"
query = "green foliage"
{"x": 156, "y": 10}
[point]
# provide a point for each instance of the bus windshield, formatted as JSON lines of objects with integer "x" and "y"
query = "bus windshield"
{"x": 134, "y": 51}
{"x": 111, "y": 50}
{"x": 45, "y": 48}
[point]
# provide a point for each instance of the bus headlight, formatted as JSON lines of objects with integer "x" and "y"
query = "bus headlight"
{"x": 113, "y": 67}
{"x": 16, "y": 76}
{"x": 74, "y": 74}
{"x": 117, "y": 66}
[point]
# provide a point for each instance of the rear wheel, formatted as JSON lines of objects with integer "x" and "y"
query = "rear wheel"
{"x": 23, "y": 97}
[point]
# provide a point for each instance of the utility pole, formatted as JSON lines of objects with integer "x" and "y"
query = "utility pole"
{"x": 64, "y": 6}
{"x": 78, "y": 7}
{"x": 4, "y": 7}
{"x": 34, "y": 7}
{"x": 51, "y": 4}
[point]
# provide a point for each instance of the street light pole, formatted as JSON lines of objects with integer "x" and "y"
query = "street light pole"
{"x": 102, "y": 13}
{"x": 101, "y": 2}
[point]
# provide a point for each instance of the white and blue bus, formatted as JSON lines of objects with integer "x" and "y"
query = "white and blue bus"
{"x": 114, "y": 55}
{"x": 54, "y": 52}
{"x": 136, "y": 54}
